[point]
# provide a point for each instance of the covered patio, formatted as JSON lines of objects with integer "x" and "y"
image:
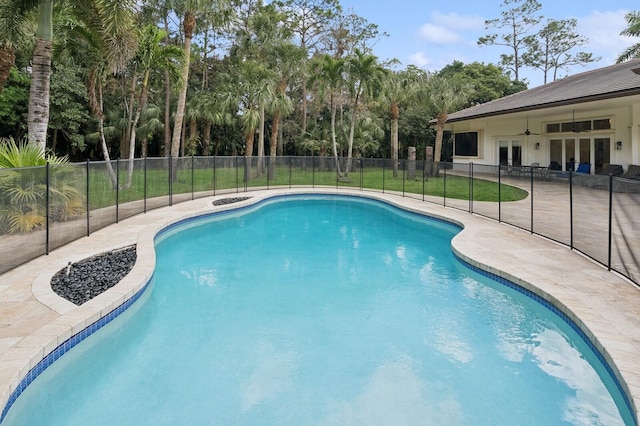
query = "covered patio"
{"x": 588, "y": 121}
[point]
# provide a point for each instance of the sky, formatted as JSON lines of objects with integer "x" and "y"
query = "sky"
{"x": 432, "y": 34}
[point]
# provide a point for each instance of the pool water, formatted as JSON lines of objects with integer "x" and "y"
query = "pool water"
{"x": 324, "y": 311}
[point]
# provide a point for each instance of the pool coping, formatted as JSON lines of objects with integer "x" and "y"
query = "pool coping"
{"x": 577, "y": 286}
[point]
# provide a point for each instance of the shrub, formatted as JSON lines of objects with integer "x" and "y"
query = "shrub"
{"x": 23, "y": 188}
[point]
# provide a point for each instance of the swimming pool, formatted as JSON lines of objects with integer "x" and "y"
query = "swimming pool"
{"x": 323, "y": 310}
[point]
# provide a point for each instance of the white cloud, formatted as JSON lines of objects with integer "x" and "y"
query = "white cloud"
{"x": 439, "y": 35}
{"x": 446, "y": 28}
{"x": 420, "y": 59}
{"x": 457, "y": 22}
{"x": 603, "y": 31}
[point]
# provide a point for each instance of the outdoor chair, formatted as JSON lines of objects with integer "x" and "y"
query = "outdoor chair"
{"x": 537, "y": 170}
{"x": 633, "y": 172}
{"x": 584, "y": 168}
{"x": 612, "y": 169}
{"x": 514, "y": 171}
{"x": 554, "y": 165}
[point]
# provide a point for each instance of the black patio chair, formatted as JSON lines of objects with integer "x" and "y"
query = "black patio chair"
{"x": 612, "y": 169}
{"x": 633, "y": 172}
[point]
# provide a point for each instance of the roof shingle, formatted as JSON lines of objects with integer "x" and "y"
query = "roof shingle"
{"x": 603, "y": 83}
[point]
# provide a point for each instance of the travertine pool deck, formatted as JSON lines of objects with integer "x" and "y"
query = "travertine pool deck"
{"x": 34, "y": 320}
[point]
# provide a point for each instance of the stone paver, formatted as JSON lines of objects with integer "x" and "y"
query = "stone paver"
{"x": 34, "y": 320}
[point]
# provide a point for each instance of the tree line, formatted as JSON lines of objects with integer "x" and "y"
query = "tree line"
{"x": 104, "y": 79}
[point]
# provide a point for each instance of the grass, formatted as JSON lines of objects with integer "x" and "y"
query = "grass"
{"x": 205, "y": 179}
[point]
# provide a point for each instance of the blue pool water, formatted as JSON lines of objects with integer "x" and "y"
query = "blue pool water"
{"x": 323, "y": 311}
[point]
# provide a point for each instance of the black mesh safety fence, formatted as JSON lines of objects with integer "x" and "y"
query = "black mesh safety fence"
{"x": 550, "y": 205}
{"x": 23, "y": 215}
{"x": 590, "y": 216}
{"x": 67, "y": 198}
{"x": 42, "y": 208}
{"x": 625, "y": 227}
{"x": 487, "y": 187}
{"x": 157, "y": 179}
{"x": 103, "y": 194}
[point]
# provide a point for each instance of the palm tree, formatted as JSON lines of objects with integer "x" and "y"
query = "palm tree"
{"x": 188, "y": 26}
{"x": 152, "y": 54}
{"x": 149, "y": 125}
{"x": 114, "y": 18}
{"x": 212, "y": 109}
{"x": 444, "y": 96}
{"x": 399, "y": 87}
{"x": 106, "y": 50}
{"x": 249, "y": 87}
{"x": 330, "y": 75}
{"x": 632, "y": 30}
{"x": 160, "y": 11}
{"x": 365, "y": 76}
{"x": 288, "y": 60}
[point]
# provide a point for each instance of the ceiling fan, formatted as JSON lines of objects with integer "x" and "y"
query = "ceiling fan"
{"x": 527, "y": 131}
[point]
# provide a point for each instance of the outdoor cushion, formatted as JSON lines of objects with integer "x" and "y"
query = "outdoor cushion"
{"x": 584, "y": 168}
{"x": 633, "y": 172}
{"x": 612, "y": 169}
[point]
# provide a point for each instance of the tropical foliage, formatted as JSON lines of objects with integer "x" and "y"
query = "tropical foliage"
{"x": 632, "y": 30}
{"x": 104, "y": 79}
{"x": 23, "y": 188}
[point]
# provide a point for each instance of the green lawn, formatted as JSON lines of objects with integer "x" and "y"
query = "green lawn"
{"x": 157, "y": 183}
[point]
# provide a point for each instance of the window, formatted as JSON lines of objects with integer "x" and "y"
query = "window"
{"x": 553, "y": 128}
{"x": 602, "y": 124}
{"x": 465, "y": 144}
{"x": 579, "y": 126}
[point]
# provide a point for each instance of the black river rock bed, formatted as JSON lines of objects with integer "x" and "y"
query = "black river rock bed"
{"x": 82, "y": 281}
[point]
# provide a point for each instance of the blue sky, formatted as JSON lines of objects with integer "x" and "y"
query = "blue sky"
{"x": 433, "y": 34}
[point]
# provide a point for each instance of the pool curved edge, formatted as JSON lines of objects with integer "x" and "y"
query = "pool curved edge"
{"x": 35, "y": 352}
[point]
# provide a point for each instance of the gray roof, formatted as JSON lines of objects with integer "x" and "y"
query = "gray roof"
{"x": 603, "y": 83}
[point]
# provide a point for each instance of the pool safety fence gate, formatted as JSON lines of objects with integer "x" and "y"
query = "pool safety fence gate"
{"x": 42, "y": 208}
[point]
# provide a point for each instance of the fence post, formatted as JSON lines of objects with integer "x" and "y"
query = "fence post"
{"x": 403, "y": 175}
{"x": 170, "y": 180}
{"x": 237, "y": 182}
{"x": 610, "y": 219}
{"x": 192, "y": 178}
{"x": 46, "y": 208}
{"x": 313, "y": 169}
{"x": 117, "y": 190}
{"x": 499, "y": 193}
{"x": 471, "y": 187}
{"x": 424, "y": 176}
{"x": 571, "y": 209}
{"x": 531, "y": 195}
{"x": 214, "y": 175}
{"x": 361, "y": 174}
{"x": 383, "y": 164}
{"x": 145, "y": 184}
{"x": 444, "y": 184}
{"x": 290, "y": 168}
{"x": 88, "y": 192}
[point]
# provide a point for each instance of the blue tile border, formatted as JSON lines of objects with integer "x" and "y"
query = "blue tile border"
{"x": 67, "y": 345}
{"x": 564, "y": 317}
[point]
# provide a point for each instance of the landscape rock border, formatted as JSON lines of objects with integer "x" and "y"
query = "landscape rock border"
{"x": 82, "y": 281}
{"x": 223, "y": 201}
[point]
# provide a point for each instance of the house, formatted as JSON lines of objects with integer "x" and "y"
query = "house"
{"x": 589, "y": 118}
